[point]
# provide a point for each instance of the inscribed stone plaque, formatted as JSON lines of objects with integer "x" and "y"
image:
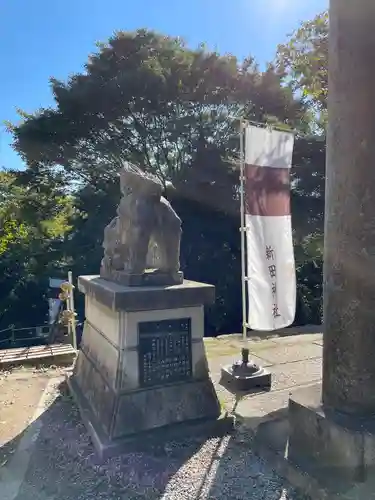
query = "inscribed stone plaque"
{"x": 164, "y": 351}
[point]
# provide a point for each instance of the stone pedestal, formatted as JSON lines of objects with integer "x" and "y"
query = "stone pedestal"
{"x": 337, "y": 429}
{"x": 142, "y": 364}
{"x": 328, "y": 443}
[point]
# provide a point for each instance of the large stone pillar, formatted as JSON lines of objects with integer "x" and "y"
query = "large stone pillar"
{"x": 332, "y": 428}
{"x": 349, "y": 251}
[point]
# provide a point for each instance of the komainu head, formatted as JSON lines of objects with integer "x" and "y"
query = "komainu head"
{"x": 136, "y": 181}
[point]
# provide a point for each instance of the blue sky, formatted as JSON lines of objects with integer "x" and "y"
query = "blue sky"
{"x": 44, "y": 38}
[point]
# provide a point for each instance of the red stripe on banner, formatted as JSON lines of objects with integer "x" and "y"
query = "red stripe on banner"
{"x": 267, "y": 191}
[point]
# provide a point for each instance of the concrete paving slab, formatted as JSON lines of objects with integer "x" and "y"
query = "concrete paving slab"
{"x": 224, "y": 347}
{"x": 306, "y": 338}
{"x": 258, "y": 408}
{"x": 290, "y": 375}
{"x": 227, "y": 346}
{"x": 290, "y": 353}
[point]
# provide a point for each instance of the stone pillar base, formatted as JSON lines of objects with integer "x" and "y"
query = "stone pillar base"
{"x": 142, "y": 365}
{"x": 327, "y": 443}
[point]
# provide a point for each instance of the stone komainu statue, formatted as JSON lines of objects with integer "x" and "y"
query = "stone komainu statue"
{"x": 142, "y": 244}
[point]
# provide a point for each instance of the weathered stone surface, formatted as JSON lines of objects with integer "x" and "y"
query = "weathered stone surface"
{"x": 128, "y": 376}
{"x": 145, "y": 367}
{"x": 123, "y": 412}
{"x": 104, "y": 355}
{"x": 145, "y": 233}
{"x": 118, "y": 297}
{"x": 99, "y": 397}
{"x": 142, "y": 410}
{"x": 337, "y": 444}
{"x": 199, "y": 360}
{"x": 332, "y": 428}
{"x": 108, "y": 321}
{"x": 145, "y": 410}
{"x": 150, "y": 277}
{"x": 349, "y": 250}
{"x": 120, "y": 328}
{"x": 118, "y": 363}
{"x": 107, "y": 447}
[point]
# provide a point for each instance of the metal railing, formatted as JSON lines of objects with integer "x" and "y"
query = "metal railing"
{"x": 22, "y": 337}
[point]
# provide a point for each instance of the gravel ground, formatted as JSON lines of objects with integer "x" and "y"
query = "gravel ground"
{"x": 64, "y": 467}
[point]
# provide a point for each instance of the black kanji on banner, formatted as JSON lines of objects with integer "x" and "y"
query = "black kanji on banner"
{"x": 270, "y": 256}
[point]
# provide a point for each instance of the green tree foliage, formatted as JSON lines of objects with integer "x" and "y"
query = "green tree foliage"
{"x": 150, "y": 99}
{"x": 33, "y": 224}
{"x": 303, "y": 63}
{"x": 147, "y": 98}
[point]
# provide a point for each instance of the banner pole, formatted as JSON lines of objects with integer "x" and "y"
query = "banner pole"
{"x": 71, "y": 307}
{"x": 243, "y": 231}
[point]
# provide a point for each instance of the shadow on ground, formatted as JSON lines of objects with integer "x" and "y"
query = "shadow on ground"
{"x": 63, "y": 466}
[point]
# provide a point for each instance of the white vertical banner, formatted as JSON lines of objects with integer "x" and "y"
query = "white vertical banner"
{"x": 271, "y": 278}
